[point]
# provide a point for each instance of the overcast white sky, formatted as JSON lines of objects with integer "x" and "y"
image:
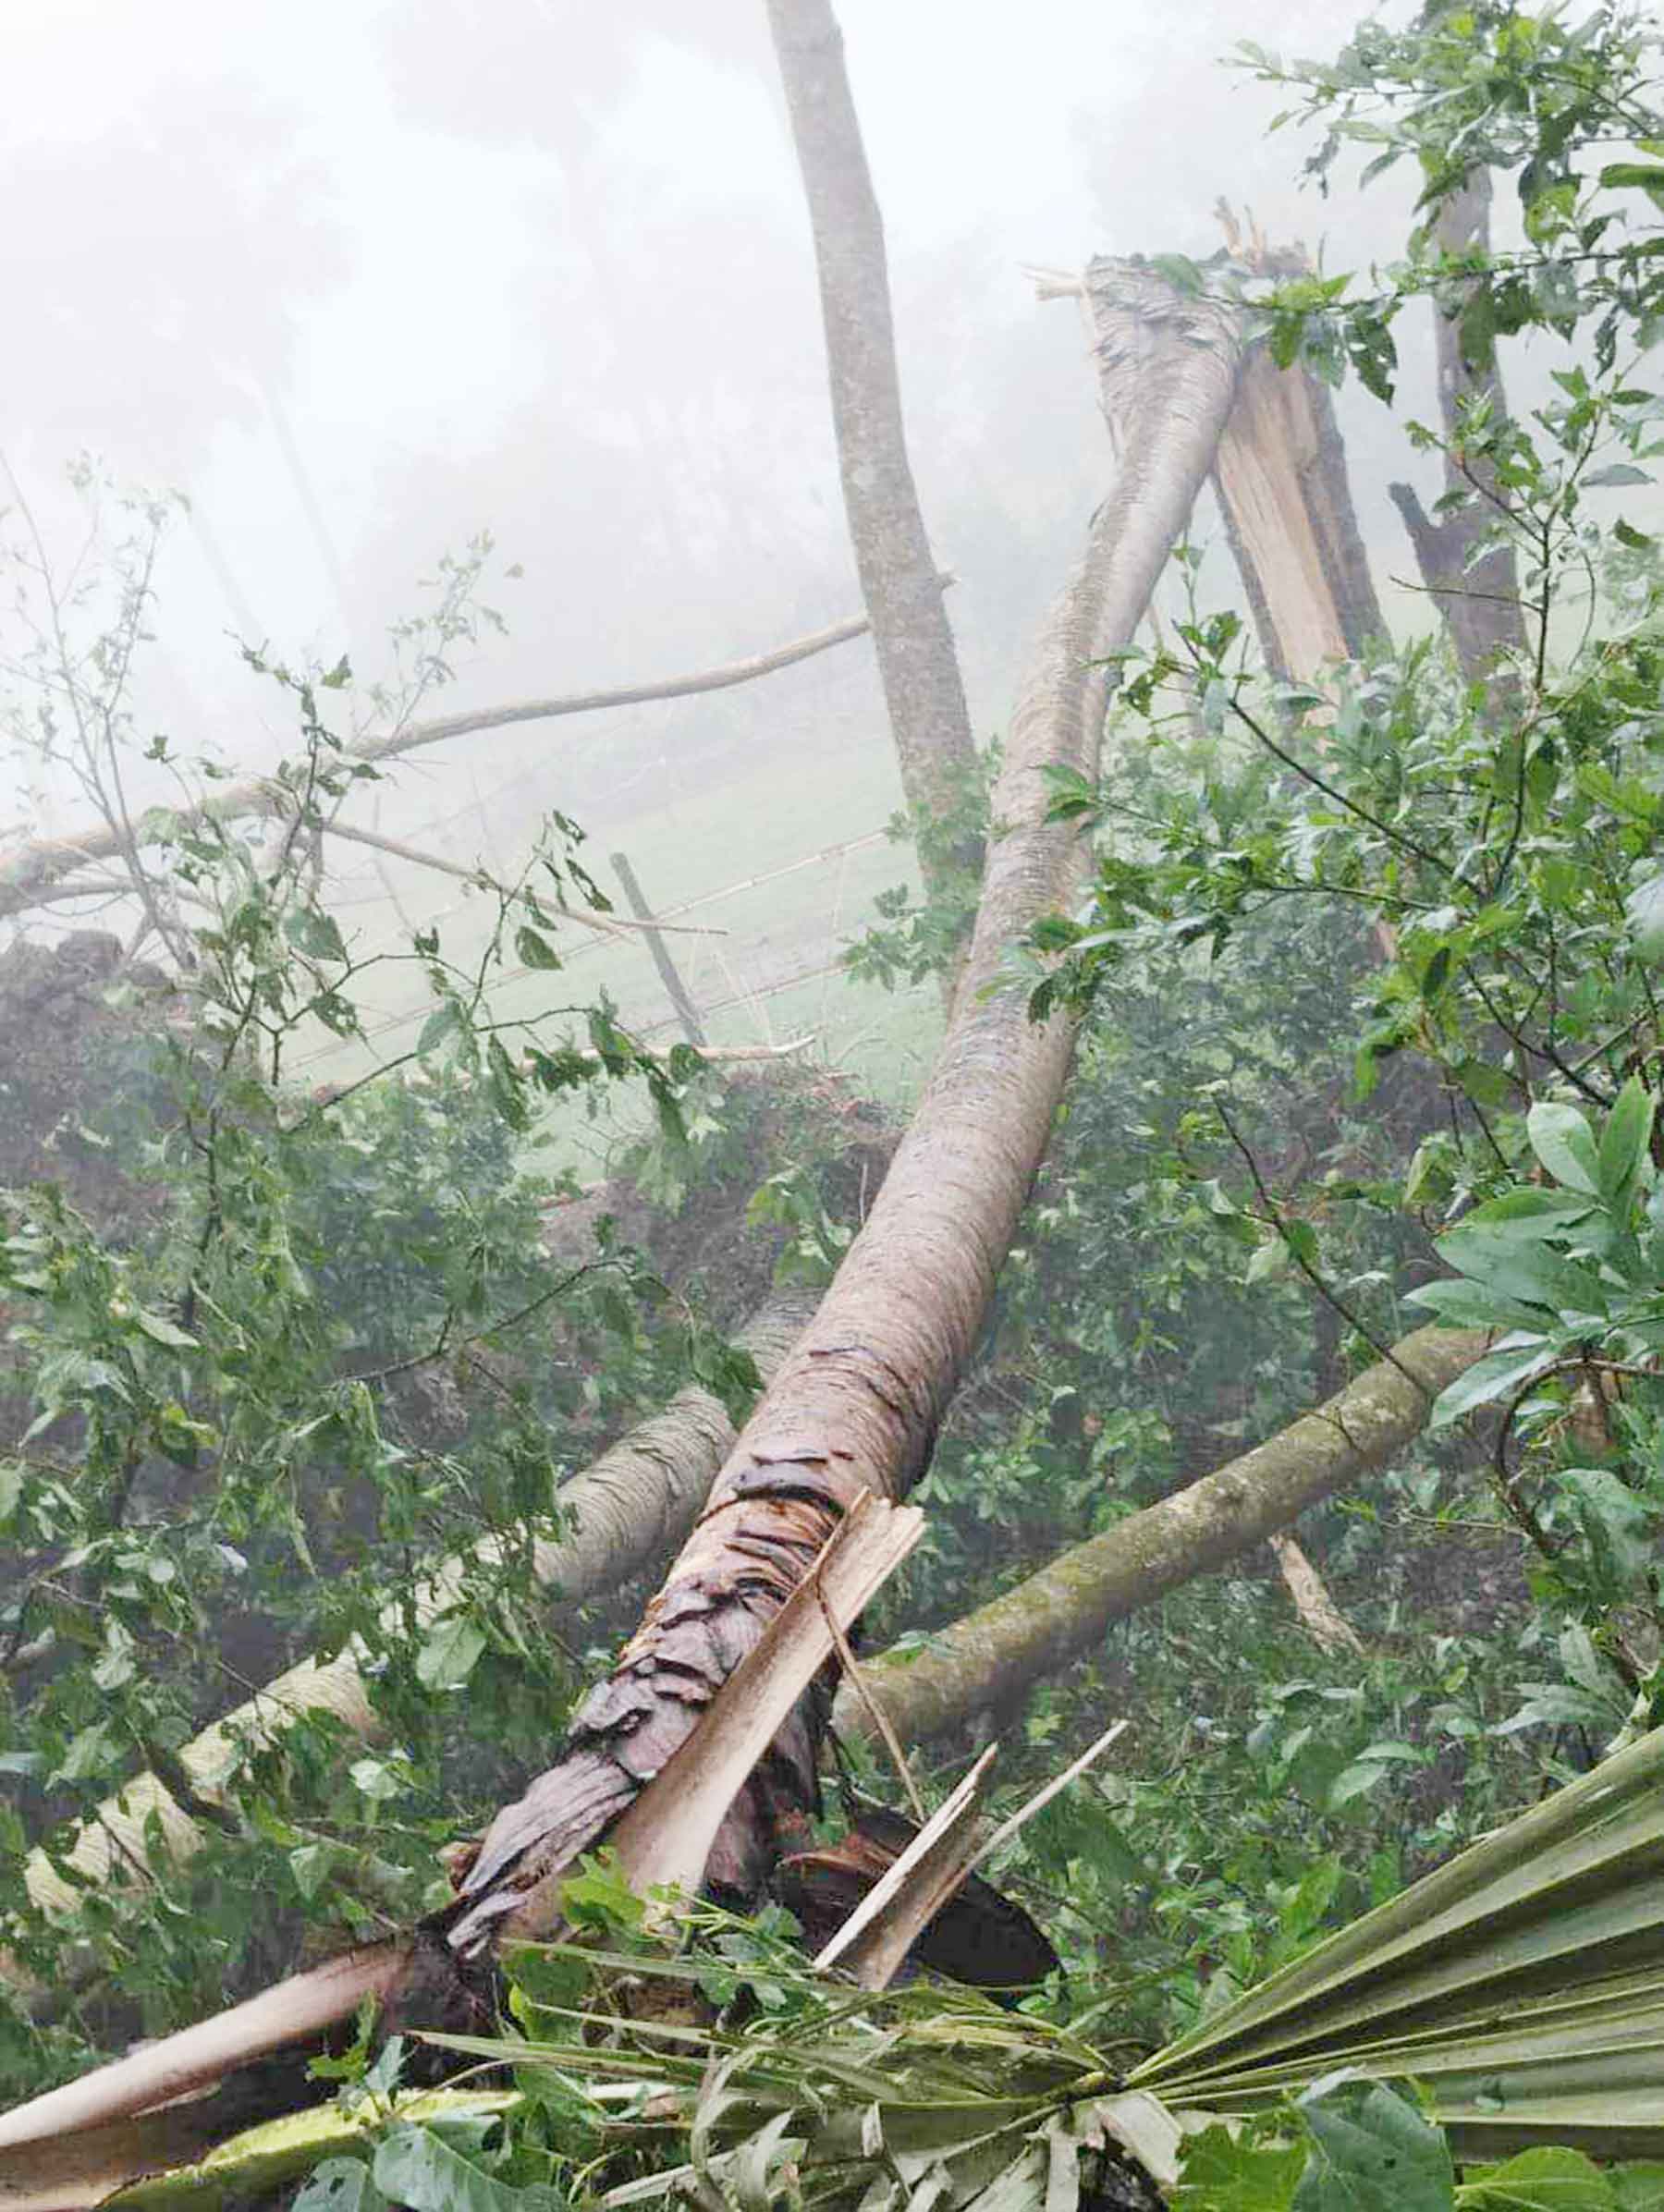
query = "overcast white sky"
{"x": 410, "y": 191}
{"x": 362, "y": 279}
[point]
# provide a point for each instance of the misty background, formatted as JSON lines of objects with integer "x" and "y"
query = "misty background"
{"x": 363, "y": 282}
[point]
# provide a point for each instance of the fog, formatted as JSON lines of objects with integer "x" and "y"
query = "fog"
{"x": 362, "y": 282}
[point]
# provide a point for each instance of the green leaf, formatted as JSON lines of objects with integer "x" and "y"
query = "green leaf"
{"x": 441, "y": 1023}
{"x": 1487, "y": 1380}
{"x": 1541, "y": 2181}
{"x": 754, "y": 2161}
{"x": 419, "y": 2171}
{"x": 1354, "y": 1780}
{"x": 164, "y": 1331}
{"x": 1512, "y": 1263}
{"x": 1618, "y": 1525}
{"x": 1468, "y": 1304}
{"x": 1563, "y": 1141}
{"x": 1646, "y": 177}
{"x": 1485, "y": 1083}
{"x": 312, "y": 931}
{"x": 311, "y": 1865}
{"x": 1644, "y": 916}
{"x": 449, "y": 1652}
{"x": 1267, "y": 1262}
{"x": 1224, "y": 2173}
{"x": 1623, "y": 1142}
{"x": 1529, "y": 1211}
{"x": 534, "y": 950}
{"x": 507, "y": 1085}
{"x": 1638, "y": 2187}
{"x": 90, "y": 1753}
{"x": 1180, "y": 271}
{"x": 1302, "y": 1240}
{"x": 1373, "y": 2152}
{"x": 340, "y": 2185}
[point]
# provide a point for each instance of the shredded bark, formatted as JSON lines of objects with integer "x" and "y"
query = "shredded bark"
{"x": 858, "y": 1403}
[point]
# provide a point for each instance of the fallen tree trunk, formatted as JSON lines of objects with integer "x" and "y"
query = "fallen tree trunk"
{"x": 27, "y": 870}
{"x": 923, "y": 691}
{"x": 1055, "y": 1616}
{"x": 858, "y": 1401}
{"x": 857, "y": 1404}
{"x": 638, "y": 1500}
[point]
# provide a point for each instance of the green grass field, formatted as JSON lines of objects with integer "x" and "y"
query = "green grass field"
{"x": 778, "y": 819}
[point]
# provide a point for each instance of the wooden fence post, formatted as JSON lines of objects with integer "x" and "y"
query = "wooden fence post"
{"x": 686, "y": 1013}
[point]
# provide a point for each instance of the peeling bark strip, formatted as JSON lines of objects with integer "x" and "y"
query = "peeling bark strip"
{"x": 665, "y": 1839}
{"x": 640, "y": 1497}
{"x": 992, "y": 1655}
{"x": 27, "y": 870}
{"x": 923, "y": 689}
{"x": 857, "y": 1403}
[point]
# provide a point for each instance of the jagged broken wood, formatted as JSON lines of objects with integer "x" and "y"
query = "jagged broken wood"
{"x": 883, "y": 1928}
{"x": 857, "y": 1404}
{"x": 666, "y": 1845}
{"x": 1319, "y": 1615}
{"x": 890, "y": 1920}
{"x": 1280, "y": 478}
{"x": 640, "y": 1497}
{"x": 1286, "y": 496}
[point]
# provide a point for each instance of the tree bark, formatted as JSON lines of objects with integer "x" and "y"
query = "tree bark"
{"x": 858, "y": 1403}
{"x": 1055, "y": 1616}
{"x": 1319, "y": 1615}
{"x": 639, "y": 1498}
{"x": 1281, "y": 482}
{"x": 1477, "y": 595}
{"x": 1283, "y": 490}
{"x": 922, "y": 688}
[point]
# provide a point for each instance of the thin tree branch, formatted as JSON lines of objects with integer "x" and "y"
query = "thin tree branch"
{"x": 25, "y": 873}
{"x": 608, "y": 924}
{"x": 1272, "y": 1213}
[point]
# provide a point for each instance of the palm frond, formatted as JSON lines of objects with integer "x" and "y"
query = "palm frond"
{"x": 1522, "y": 1984}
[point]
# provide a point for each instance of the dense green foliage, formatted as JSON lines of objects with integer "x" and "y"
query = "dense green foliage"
{"x": 1370, "y": 973}
{"x": 290, "y": 1345}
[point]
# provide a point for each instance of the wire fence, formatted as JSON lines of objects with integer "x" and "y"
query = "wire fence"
{"x": 733, "y": 971}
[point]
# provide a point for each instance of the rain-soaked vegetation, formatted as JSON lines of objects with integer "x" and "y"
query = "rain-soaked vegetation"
{"x": 831, "y": 1196}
